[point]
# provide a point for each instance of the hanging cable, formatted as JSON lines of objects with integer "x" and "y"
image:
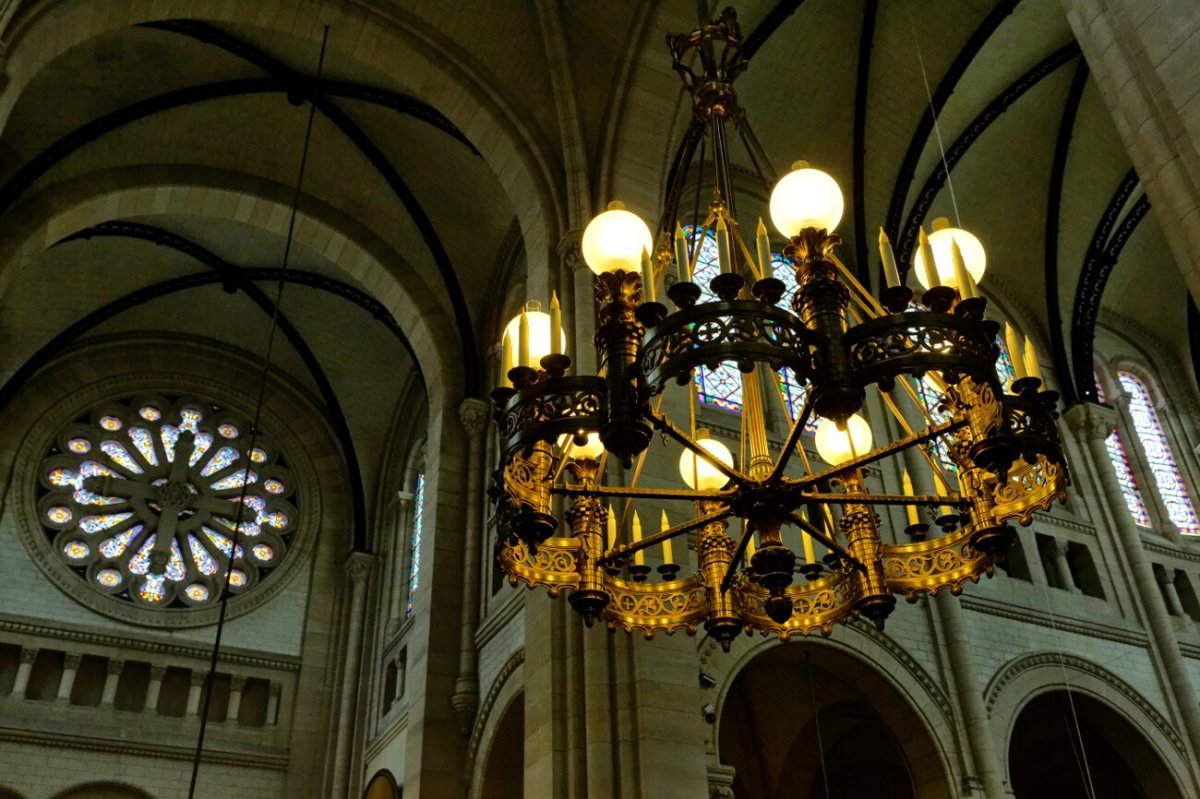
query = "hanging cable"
{"x": 254, "y": 429}
{"x": 1081, "y": 758}
{"x": 812, "y": 692}
{"x": 937, "y": 128}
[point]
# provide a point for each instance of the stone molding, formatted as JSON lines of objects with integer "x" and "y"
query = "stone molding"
{"x": 77, "y": 399}
{"x": 1029, "y": 615}
{"x": 257, "y": 759}
{"x": 1014, "y": 668}
{"x": 918, "y": 672}
{"x": 1066, "y": 524}
{"x": 485, "y": 707}
{"x": 191, "y": 651}
{"x": 498, "y": 618}
{"x": 1166, "y": 551}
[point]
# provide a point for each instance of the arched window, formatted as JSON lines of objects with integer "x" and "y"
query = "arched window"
{"x": 1125, "y": 478}
{"x": 414, "y": 543}
{"x": 720, "y": 387}
{"x": 1158, "y": 455}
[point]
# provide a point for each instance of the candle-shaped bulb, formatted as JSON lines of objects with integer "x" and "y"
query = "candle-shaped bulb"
{"x": 639, "y": 557}
{"x": 931, "y": 272}
{"x": 648, "y": 292}
{"x": 681, "y": 254}
{"x": 612, "y": 527}
{"x": 750, "y": 548}
{"x": 523, "y": 340}
{"x": 724, "y": 256}
{"x": 664, "y": 525}
{"x": 806, "y": 540}
{"x": 961, "y": 276}
{"x": 1016, "y": 350}
{"x": 890, "y": 272}
{"x": 942, "y": 491}
{"x": 910, "y": 511}
{"x": 762, "y": 249}
{"x": 506, "y": 360}
{"x": 556, "y": 334}
{"x": 1032, "y": 367}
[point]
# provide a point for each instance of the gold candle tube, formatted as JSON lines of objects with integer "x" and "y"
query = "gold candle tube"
{"x": 890, "y": 272}
{"x": 961, "y": 276}
{"x": 806, "y": 540}
{"x": 931, "y": 272}
{"x": 762, "y": 249}
{"x": 556, "y": 335}
{"x": 648, "y": 290}
{"x": 639, "y": 557}
{"x": 506, "y": 360}
{"x": 681, "y": 254}
{"x": 942, "y": 491}
{"x": 668, "y": 554}
{"x": 1016, "y": 350}
{"x": 724, "y": 256}
{"x": 750, "y": 549}
{"x": 974, "y": 286}
{"x": 1032, "y": 367}
{"x": 612, "y": 527}
{"x": 523, "y": 340}
{"x": 910, "y": 511}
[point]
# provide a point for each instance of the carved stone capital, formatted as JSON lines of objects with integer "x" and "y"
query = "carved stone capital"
{"x": 474, "y": 414}
{"x": 720, "y": 781}
{"x": 198, "y": 678}
{"x": 570, "y": 250}
{"x": 465, "y": 702}
{"x": 28, "y": 656}
{"x": 71, "y": 662}
{"x": 1091, "y": 422}
{"x": 359, "y": 566}
{"x": 1164, "y": 575}
{"x": 157, "y": 673}
{"x": 115, "y": 666}
{"x": 237, "y": 683}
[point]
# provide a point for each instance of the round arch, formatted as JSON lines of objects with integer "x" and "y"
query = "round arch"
{"x": 507, "y": 691}
{"x": 449, "y": 77}
{"x": 1025, "y": 678}
{"x": 103, "y": 790}
{"x": 900, "y": 695}
{"x": 382, "y": 786}
{"x": 147, "y": 192}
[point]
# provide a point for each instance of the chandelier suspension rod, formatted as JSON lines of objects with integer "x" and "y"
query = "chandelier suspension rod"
{"x": 837, "y": 498}
{"x": 748, "y": 530}
{"x": 793, "y": 442}
{"x": 666, "y": 425}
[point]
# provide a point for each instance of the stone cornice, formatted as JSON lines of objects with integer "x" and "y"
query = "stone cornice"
{"x": 257, "y": 759}
{"x": 62, "y": 632}
{"x": 499, "y": 617}
{"x": 1029, "y": 615}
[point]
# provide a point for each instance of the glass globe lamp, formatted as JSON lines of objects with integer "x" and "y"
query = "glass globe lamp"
{"x": 615, "y": 239}
{"x": 806, "y": 198}
{"x": 837, "y": 446}
{"x": 698, "y": 472}
{"x": 591, "y": 449}
{"x": 974, "y": 257}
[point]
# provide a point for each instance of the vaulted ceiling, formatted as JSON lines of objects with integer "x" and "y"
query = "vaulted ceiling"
{"x": 454, "y": 145}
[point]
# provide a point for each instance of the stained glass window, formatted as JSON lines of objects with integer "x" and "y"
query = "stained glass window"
{"x": 1124, "y": 472}
{"x": 1160, "y": 459}
{"x": 414, "y": 544}
{"x": 793, "y": 393}
{"x": 720, "y": 387}
{"x": 137, "y": 525}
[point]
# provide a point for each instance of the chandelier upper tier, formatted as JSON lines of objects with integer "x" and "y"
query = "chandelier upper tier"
{"x": 586, "y": 438}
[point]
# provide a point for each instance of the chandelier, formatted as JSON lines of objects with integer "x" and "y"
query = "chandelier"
{"x": 568, "y": 441}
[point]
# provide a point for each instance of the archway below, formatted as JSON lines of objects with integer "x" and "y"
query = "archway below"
{"x": 1046, "y": 758}
{"x": 504, "y": 774}
{"x": 805, "y": 721}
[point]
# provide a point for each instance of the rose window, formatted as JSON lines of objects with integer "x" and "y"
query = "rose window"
{"x": 148, "y": 499}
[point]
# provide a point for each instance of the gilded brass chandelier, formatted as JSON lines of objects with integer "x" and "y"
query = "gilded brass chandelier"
{"x": 574, "y": 436}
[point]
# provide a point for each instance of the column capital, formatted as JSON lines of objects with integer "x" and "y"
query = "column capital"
{"x": 359, "y": 565}
{"x": 114, "y": 666}
{"x": 570, "y": 250}
{"x": 198, "y": 678}
{"x": 28, "y": 655}
{"x": 71, "y": 662}
{"x": 474, "y": 414}
{"x": 237, "y": 682}
{"x": 157, "y": 673}
{"x": 1090, "y": 421}
{"x": 1163, "y": 574}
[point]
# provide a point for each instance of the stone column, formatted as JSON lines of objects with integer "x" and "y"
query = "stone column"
{"x": 399, "y": 585}
{"x": 358, "y": 572}
{"x": 1062, "y": 568}
{"x": 23, "y": 670}
{"x": 473, "y": 413}
{"x": 156, "y": 677}
{"x": 194, "y": 690}
{"x": 583, "y": 284}
{"x": 1093, "y": 423}
{"x": 110, "y": 682}
{"x": 1170, "y": 596}
{"x": 273, "y": 704}
{"x": 70, "y": 669}
{"x": 236, "y": 686}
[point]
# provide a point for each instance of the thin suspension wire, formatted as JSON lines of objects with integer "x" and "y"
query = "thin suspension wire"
{"x": 258, "y": 407}
{"x": 1082, "y": 759}
{"x": 937, "y": 128}
{"x": 812, "y": 692}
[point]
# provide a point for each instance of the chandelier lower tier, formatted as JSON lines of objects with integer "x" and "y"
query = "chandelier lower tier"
{"x": 559, "y": 431}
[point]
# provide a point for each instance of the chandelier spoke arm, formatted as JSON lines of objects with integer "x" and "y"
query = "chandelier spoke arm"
{"x": 624, "y": 550}
{"x": 834, "y": 546}
{"x": 885, "y": 499}
{"x": 738, "y": 554}
{"x": 882, "y": 452}
{"x": 793, "y": 441}
{"x": 666, "y": 425}
{"x": 629, "y": 491}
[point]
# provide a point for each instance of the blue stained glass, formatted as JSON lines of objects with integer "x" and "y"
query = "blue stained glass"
{"x": 235, "y": 480}
{"x": 222, "y": 542}
{"x": 793, "y": 393}
{"x": 94, "y": 524}
{"x": 144, "y": 442}
{"x": 224, "y": 457}
{"x": 414, "y": 545}
{"x": 140, "y": 563}
{"x": 189, "y": 418}
{"x": 200, "y": 556}
{"x": 114, "y": 546}
{"x": 1160, "y": 459}
{"x": 203, "y": 442}
{"x": 720, "y": 387}
{"x": 120, "y": 455}
{"x": 175, "y": 568}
